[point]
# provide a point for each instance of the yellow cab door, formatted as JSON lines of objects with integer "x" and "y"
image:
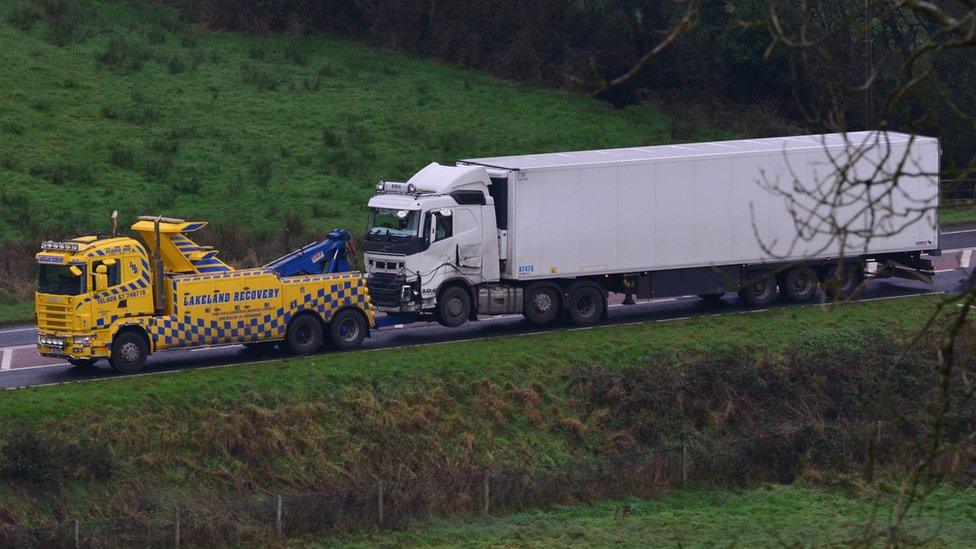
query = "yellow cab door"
{"x": 109, "y": 302}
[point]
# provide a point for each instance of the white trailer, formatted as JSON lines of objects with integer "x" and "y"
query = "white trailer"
{"x": 549, "y": 233}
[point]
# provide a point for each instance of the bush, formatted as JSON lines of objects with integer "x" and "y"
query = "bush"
{"x": 24, "y": 17}
{"x": 121, "y": 156}
{"x": 261, "y": 171}
{"x": 34, "y": 456}
{"x": 264, "y": 78}
{"x": 64, "y": 173}
{"x": 125, "y": 54}
{"x": 295, "y": 54}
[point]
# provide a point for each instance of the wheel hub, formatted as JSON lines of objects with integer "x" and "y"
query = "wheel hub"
{"x": 542, "y": 302}
{"x": 348, "y": 330}
{"x": 129, "y": 352}
{"x": 585, "y": 305}
{"x": 454, "y": 307}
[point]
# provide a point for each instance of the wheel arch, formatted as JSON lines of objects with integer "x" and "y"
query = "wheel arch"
{"x": 137, "y": 329}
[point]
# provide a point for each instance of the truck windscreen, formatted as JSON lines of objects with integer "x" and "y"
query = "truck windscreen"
{"x": 392, "y": 225}
{"x": 59, "y": 280}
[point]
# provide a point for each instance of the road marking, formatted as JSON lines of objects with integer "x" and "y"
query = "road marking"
{"x": 7, "y": 357}
{"x": 964, "y": 261}
{"x": 954, "y": 250}
{"x": 15, "y": 330}
{"x": 961, "y": 232}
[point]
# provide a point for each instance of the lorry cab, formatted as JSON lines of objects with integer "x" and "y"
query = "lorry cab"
{"x": 431, "y": 238}
{"x": 84, "y": 285}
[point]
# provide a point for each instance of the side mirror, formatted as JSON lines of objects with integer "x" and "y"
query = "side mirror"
{"x": 74, "y": 270}
{"x": 110, "y": 261}
{"x": 101, "y": 278}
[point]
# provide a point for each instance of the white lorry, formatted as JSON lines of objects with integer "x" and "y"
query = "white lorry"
{"x": 550, "y": 235}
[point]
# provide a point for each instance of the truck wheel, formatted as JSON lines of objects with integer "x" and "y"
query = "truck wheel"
{"x": 304, "y": 335}
{"x": 129, "y": 352}
{"x": 453, "y": 307}
{"x": 840, "y": 286}
{"x": 586, "y": 305}
{"x": 541, "y": 305}
{"x": 760, "y": 291}
{"x": 83, "y": 363}
{"x": 800, "y": 284}
{"x": 711, "y": 299}
{"x": 347, "y": 330}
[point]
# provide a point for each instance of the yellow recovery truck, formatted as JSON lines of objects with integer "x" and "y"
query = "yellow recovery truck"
{"x": 107, "y": 297}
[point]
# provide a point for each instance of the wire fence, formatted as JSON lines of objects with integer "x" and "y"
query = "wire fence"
{"x": 390, "y": 502}
{"x": 955, "y": 191}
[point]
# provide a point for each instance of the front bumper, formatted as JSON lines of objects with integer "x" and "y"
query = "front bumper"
{"x": 62, "y": 346}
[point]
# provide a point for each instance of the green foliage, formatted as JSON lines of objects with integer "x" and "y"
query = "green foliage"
{"x": 347, "y": 115}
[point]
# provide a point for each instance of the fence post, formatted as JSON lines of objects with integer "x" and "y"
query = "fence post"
{"x": 176, "y": 530}
{"x": 379, "y": 503}
{"x": 487, "y": 494}
{"x": 279, "y": 528}
{"x": 684, "y": 462}
{"x": 77, "y": 535}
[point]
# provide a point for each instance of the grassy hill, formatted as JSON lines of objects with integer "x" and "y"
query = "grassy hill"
{"x": 777, "y": 396}
{"x": 112, "y": 106}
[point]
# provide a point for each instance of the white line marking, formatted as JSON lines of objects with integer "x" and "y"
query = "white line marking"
{"x": 15, "y": 330}
{"x": 19, "y": 347}
{"x": 964, "y": 261}
{"x": 961, "y": 232}
{"x": 19, "y": 368}
{"x": 211, "y": 347}
{"x": 954, "y": 250}
{"x": 5, "y": 361}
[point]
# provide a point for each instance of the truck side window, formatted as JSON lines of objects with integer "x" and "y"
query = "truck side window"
{"x": 114, "y": 272}
{"x": 445, "y": 227}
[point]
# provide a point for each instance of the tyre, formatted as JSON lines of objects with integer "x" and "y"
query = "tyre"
{"x": 453, "y": 307}
{"x": 842, "y": 285}
{"x": 800, "y": 284}
{"x": 759, "y": 290}
{"x": 711, "y": 299}
{"x": 541, "y": 304}
{"x": 586, "y": 305}
{"x": 347, "y": 330}
{"x": 304, "y": 335}
{"x": 83, "y": 363}
{"x": 129, "y": 352}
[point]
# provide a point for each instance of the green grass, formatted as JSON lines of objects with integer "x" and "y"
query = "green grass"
{"x": 514, "y": 359}
{"x": 16, "y": 312}
{"x": 957, "y": 214}
{"x": 132, "y": 109}
{"x": 771, "y": 516}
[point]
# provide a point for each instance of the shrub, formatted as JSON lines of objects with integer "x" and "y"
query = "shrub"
{"x": 35, "y": 456}
{"x": 261, "y": 171}
{"x": 24, "y": 17}
{"x": 67, "y": 20}
{"x": 121, "y": 156}
{"x": 187, "y": 185}
{"x": 295, "y": 54}
{"x": 125, "y": 54}
{"x": 330, "y": 138}
{"x": 64, "y": 173}
{"x": 263, "y": 78}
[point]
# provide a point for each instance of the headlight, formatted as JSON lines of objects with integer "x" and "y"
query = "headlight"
{"x": 82, "y": 340}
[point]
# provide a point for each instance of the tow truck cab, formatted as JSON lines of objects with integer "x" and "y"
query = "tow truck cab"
{"x": 83, "y": 282}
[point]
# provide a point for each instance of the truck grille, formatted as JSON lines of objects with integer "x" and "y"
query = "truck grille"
{"x": 384, "y": 289}
{"x": 52, "y": 317}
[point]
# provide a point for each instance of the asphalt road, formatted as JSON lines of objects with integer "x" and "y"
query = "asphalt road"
{"x": 21, "y": 367}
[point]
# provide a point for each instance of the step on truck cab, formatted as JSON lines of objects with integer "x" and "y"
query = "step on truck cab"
{"x": 119, "y": 298}
{"x": 551, "y": 235}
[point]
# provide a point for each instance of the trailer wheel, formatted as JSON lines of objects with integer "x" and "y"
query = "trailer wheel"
{"x": 586, "y": 305}
{"x": 129, "y": 352}
{"x": 541, "y": 304}
{"x": 304, "y": 336}
{"x": 347, "y": 330}
{"x": 842, "y": 285}
{"x": 800, "y": 284}
{"x": 453, "y": 307}
{"x": 83, "y": 363}
{"x": 760, "y": 291}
